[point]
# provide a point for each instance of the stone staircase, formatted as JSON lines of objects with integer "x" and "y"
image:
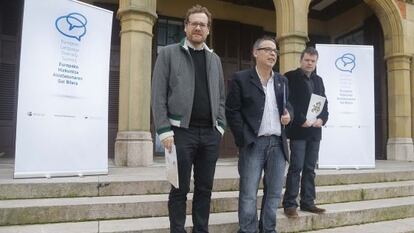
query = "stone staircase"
{"x": 135, "y": 200}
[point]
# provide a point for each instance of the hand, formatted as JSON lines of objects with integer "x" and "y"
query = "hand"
{"x": 285, "y": 119}
{"x": 307, "y": 124}
{"x": 318, "y": 123}
{"x": 168, "y": 143}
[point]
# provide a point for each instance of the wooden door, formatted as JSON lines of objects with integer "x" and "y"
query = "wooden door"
{"x": 373, "y": 35}
{"x": 233, "y": 42}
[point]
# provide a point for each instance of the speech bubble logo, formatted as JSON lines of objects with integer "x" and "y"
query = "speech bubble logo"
{"x": 72, "y": 25}
{"x": 346, "y": 62}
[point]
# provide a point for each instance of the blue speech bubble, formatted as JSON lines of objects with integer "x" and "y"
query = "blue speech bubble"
{"x": 76, "y": 20}
{"x": 346, "y": 62}
{"x": 72, "y": 25}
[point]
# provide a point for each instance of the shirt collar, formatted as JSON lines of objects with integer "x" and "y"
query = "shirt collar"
{"x": 271, "y": 74}
{"x": 187, "y": 45}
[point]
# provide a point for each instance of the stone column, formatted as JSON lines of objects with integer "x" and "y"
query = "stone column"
{"x": 411, "y": 158}
{"x": 133, "y": 146}
{"x": 291, "y": 46}
{"x": 291, "y": 31}
{"x": 400, "y": 143}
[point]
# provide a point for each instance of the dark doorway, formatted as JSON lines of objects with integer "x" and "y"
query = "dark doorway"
{"x": 370, "y": 34}
{"x": 11, "y": 13}
{"x": 233, "y": 42}
{"x": 374, "y": 35}
{"x": 113, "y": 105}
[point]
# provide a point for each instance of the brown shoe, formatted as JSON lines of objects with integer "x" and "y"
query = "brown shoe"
{"x": 291, "y": 212}
{"x": 313, "y": 209}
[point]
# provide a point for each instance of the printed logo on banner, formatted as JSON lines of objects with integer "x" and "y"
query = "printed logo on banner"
{"x": 346, "y": 62}
{"x": 72, "y": 25}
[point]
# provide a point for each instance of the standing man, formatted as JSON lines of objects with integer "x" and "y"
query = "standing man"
{"x": 257, "y": 112}
{"x": 188, "y": 108}
{"x": 304, "y": 136}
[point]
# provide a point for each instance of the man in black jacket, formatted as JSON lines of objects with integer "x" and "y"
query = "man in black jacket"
{"x": 304, "y": 136}
{"x": 257, "y": 111}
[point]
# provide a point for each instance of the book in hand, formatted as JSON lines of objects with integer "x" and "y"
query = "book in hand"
{"x": 315, "y": 107}
{"x": 172, "y": 166}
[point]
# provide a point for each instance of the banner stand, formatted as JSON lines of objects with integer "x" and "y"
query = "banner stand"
{"x": 62, "y": 110}
{"x": 348, "y": 138}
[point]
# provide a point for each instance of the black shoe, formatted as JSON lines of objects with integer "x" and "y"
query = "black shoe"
{"x": 291, "y": 212}
{"x": 313, "y": 209}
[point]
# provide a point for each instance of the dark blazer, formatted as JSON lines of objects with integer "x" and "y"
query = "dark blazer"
{"x": 299, "y": 98}
{"x": 245, "y": 105}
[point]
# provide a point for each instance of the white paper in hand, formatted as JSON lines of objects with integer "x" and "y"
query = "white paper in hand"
{"x": 315, "y": 107}
{"x": 172, "y": 166}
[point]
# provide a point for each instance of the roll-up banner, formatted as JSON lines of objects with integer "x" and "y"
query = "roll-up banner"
{"x": 348, "y": 138}
{"x": 62, "y": 116}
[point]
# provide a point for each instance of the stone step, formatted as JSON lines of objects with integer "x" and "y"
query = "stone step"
{"x": 397, "y": 212}
{"x": 30, "y": 211}
{"x": 139, "y": 184}
{"x": 405, "y": 225}
{"x": 337, "y": 215}
{"x": 78, "y": 227}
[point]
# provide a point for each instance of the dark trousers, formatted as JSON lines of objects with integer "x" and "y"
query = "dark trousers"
{"x": 303, "y": 157}
{"x": 198, "y": 147}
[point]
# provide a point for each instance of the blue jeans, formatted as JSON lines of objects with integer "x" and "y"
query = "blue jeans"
{"x": 265, "y": 154}
{"x": 303, "y": 157}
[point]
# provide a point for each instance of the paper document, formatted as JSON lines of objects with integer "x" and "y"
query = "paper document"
{"x": 172, "y": 166}
{"x": 315, "y": 107}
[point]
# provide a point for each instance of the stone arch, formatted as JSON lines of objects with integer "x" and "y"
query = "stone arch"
{"x": 285, "y": 24}
{"x": 292, "y": 35}
{"x": 390, "y": 18}
{"x": 387, "y": 12}
{"x": 400, "y": 91}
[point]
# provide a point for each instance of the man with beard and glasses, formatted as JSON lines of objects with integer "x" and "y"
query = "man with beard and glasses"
{"x": 188, "y": 108}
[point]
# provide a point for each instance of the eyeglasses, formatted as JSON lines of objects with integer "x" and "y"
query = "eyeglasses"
{"x": 269, "y": 50}
{"x": 195, "y": 24}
